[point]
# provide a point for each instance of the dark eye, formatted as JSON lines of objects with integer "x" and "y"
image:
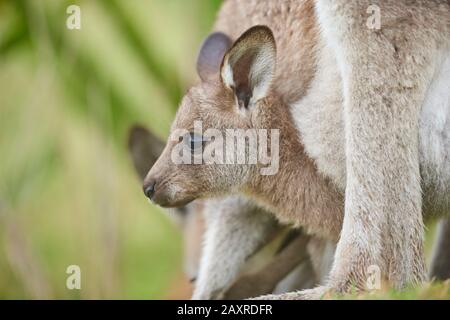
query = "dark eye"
{"x": 195, "y": 141}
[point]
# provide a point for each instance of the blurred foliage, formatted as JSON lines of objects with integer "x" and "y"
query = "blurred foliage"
{"x": 68, "y": 192}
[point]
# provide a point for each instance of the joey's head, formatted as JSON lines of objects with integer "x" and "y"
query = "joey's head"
{"x": 226, "y": 129}
{"x": 144, "y": 149}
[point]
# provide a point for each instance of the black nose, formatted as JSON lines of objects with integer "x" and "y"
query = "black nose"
{"x": 149, "y": 189}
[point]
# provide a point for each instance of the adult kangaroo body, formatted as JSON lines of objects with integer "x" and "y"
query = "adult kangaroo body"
{"x": 395, "y": 83}
{"x": 366, "y": 102}
{"x": 370, "y": 105}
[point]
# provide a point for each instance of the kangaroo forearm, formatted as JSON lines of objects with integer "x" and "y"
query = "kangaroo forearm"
{"x": 383, "y": 91}
{"x": 235, "y": 230}
{"x": 265, "y": 280}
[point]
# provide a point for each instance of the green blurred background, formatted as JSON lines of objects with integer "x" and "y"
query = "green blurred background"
{"x": 68, "y": 191}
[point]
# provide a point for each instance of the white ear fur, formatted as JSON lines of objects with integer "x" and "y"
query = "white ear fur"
{"x": 227, "y": 73}
{"x": 249, "y": 66}
{"x": 262, "y": 72}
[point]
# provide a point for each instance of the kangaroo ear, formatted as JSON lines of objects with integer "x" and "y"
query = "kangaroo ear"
{"x": 211, "y": 55}
{"x": 249, "y": 66}
{"x": 144, "y": 148}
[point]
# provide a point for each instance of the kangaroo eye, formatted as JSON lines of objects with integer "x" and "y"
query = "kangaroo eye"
{"x": 195, "y": 141}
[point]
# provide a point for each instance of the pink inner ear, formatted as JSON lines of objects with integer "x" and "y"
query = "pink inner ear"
{"x": 211, "y": 54}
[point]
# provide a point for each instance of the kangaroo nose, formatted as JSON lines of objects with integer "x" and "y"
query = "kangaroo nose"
{"x": 149, "y": 188}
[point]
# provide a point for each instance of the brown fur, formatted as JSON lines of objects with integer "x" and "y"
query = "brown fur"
{"x": 144, "y": 148}
{"x": 297, "y": 193}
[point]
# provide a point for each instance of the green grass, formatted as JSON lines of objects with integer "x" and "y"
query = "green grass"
{"x": 428, "y": 291}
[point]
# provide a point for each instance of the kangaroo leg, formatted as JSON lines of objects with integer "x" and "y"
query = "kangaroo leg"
{"x": 312, "y": 272}
{"x": 235, "y": 229}
{"x": 265, "y": 280}
{"x": 321, "y": 252}
{"x": 385, "y": 75}
{"x": 440, "y": 263}
{"x": 302, "y": 277}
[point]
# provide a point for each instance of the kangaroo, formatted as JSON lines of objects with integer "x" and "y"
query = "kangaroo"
{"x": 234, "y": 18}
{"x": 244, "y": 98}
{"x": 290, "y": 268}
{"x": 169, "y": 184}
